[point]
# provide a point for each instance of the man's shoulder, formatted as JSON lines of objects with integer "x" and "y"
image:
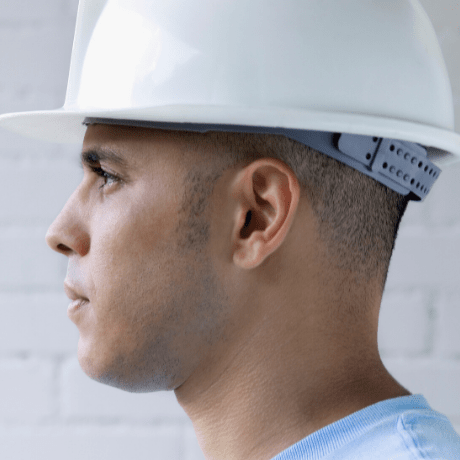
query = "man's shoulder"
{"x": 390, "y": 430}
{"x": 411, "y": 435}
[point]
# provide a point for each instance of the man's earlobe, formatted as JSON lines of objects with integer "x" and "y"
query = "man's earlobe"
{"x": 268, "y": 192}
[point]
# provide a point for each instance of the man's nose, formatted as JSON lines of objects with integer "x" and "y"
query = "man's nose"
{"x": 69, "y": 234}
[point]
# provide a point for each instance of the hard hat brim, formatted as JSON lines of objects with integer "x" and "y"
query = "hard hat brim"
{"x": 66, "y": 125}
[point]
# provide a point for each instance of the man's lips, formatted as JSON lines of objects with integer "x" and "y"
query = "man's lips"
{"x": 72, "y": 292}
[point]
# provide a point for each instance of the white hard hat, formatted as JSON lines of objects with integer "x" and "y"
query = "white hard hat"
{"x": 294, "y": 67}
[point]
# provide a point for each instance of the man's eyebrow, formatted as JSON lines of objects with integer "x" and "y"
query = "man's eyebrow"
{"x": 97, "y": 154}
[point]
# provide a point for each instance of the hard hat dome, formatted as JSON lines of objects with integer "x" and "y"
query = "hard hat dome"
{"x": 363, "y": 67}
{"x": 240, "y": 53}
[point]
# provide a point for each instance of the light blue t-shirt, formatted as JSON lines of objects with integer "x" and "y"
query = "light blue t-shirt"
{"x": 404, "y": 428}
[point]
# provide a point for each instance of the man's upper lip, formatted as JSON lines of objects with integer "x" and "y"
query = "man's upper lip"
{"x": 72, "y": 292}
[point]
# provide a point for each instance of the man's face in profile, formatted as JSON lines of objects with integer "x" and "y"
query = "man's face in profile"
{"x": 154, "y": 309}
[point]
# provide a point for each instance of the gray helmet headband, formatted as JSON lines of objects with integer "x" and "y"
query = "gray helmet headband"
{"x": 401, "y": 166}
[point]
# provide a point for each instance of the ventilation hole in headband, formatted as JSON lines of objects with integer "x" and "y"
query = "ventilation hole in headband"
{"x": 418, "y": 184}
{"x": 368, "y": 156}
{"x": 385, "y": 165}
{"x": 420, "y": 164}
{"x": 431, "y": 172}
{"x": 375, "y": 139}
{"x": 412, "y": 181}
{"x": 426, "y": 168}
{"x": 392, "y": 147}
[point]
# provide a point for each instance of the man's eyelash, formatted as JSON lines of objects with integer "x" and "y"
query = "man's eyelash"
{"x": 104, "y": 174}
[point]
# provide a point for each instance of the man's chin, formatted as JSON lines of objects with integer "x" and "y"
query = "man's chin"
{"x": 119, "y": 373}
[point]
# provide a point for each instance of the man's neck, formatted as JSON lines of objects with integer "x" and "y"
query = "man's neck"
{"x": 270, "y": 395}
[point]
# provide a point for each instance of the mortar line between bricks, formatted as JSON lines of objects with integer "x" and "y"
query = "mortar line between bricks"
{"x": 432, "y": 323}
{"x": 57, "y": 387}
{"x": 32, "y": 24}
{"x": 182, "y": 443}
{"x": 33, "y": 290}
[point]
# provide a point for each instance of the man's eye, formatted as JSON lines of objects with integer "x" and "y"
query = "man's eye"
{"x": 109, "y": 179}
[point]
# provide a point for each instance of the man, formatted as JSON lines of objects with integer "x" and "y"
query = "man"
{"x": 242, "y": 264}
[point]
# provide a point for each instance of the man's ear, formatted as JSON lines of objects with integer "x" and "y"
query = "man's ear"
{"x": 267, "y": 193}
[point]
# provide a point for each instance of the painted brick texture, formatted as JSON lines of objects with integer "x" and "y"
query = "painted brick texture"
{"x": 21, "y": 401}
{"x": 85, "y": 399}
{"x": 36, "y": 323}
{"x": 92, "y": 442}
{"x": 48, "y": 408}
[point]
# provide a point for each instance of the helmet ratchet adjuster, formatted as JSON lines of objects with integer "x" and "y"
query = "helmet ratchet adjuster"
{"x": 393, "y": 162}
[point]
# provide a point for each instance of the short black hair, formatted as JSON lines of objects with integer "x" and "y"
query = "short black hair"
{"x": 358, "y": 217}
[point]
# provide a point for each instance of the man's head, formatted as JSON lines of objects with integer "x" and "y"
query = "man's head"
{"x": 192, "y": 240}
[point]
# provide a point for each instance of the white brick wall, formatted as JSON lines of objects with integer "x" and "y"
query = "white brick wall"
{"x": 27, "y": 262}
{"x": 36, "y": 323}
{"x": 48, "y": 408}
{"x": 92, "y": 442}
{"x": 448, "y": 342}
{"x": 27, "y": 387}
{"x": 85, "y": 399}
{"x": 41, "y": 206}
{"x": 411, "y": 333}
